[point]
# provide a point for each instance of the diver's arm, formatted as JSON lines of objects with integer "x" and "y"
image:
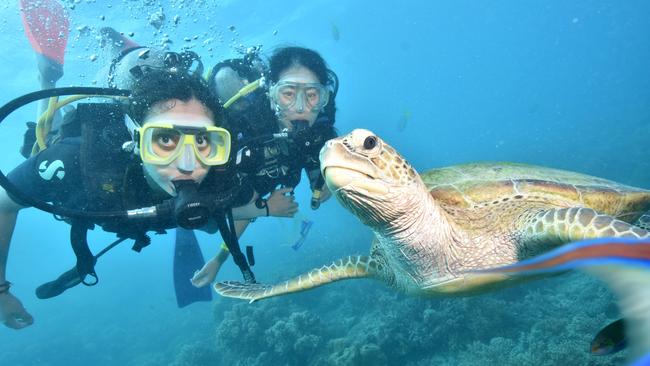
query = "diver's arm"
{"x": 279, "y": 205}
{"x": 208, "y": 273}
{"x": 317, "y": 184}
{"x": 7, "y": 225}
{"x": 240, "y": 227}
{"x": 12, "y": 312}
{"x": 8, "y": 215}
{"x": 224, "y": 253}
{"x": 248, "y": 212}
{"x": 325, "y": 193}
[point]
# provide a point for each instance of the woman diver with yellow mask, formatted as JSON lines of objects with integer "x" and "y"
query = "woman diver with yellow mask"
{"x": 170, "y": 173}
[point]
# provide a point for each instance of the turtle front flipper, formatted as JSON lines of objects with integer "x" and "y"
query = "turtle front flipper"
{"x": 554, "y": 227}
{"x": 350, "y": 267}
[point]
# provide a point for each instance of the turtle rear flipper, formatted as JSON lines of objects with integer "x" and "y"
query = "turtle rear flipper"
{"x": 350, "y": 267}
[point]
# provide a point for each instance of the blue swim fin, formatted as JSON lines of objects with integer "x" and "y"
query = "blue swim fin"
{"x": 305, "y": 226}
{"x": 188, "y": 259}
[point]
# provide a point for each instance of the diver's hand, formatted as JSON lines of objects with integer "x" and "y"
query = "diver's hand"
{"x": 207, "y": 274}
{"x": 12, "y": 312}
{"x": 325, "y": 193}
{"x": 282, "y": 205}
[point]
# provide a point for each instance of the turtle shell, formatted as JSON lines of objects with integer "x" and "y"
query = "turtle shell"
{"x": 478, "y": 185}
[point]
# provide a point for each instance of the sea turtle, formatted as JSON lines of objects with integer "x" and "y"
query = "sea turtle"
{"x": 435, "y": 230}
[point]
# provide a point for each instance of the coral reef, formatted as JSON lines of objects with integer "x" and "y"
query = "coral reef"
{"x": 196, "y": 354}
{"x": 362, "y": 323}
{"x": 275, "y": 332}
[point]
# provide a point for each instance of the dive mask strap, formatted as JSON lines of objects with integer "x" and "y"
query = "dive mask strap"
{"x": 85, "y": 258}
{"x": 229, "y": 235}
{"x": 334, "y": 79}
{"x": 132, "y": 146}
{"x": 131, "y": 125}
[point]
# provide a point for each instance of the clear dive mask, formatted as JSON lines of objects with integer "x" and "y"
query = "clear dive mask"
{"x": 163, "y": 143}
{"x": 299, "y": 96}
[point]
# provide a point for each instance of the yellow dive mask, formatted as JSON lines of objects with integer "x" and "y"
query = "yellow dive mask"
{"x": 162, "y": 143}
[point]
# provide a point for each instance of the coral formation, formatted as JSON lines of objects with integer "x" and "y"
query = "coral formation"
{"x": 363, "y": 323}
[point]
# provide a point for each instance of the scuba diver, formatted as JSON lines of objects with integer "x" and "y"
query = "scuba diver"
{"x": 275, "y": 144}
{"x": 46, "y": 27}
{"x": 153, "y": 163}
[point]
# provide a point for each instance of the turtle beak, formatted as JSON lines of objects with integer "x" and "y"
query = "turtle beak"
{"x": 344, "y": 169}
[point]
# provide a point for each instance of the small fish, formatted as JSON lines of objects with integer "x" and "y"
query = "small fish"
{"x": 335, "y": 32}
{"x": 610, "y": 339}
{"x": 404, "y": 120}
{"x": 624, "y": 265}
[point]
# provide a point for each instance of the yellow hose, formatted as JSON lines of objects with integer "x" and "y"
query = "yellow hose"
{"x": 44, "y": 123}
{"x": 247, "y": 89}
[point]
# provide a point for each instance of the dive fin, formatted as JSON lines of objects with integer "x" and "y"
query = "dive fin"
{"x": 46, "y": 26}
{"x": 188, "y": 259}
{"x": 347, "y": 268}
{"x": 116, "y": 40}
{"x": 305, "y": 226}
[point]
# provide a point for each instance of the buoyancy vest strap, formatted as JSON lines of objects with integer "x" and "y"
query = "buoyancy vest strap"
{"x": 69, "y": 278}
{"x": 229, "y": 235}
{"x": 85, "y": 258}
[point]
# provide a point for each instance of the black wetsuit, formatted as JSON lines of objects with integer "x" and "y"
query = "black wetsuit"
{"x": 274, "y": 162}
{"x": 106, "y": 179}
{"x": 55, "y": 175}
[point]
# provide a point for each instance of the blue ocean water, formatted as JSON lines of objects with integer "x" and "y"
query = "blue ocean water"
{"x": 556, "y": 83}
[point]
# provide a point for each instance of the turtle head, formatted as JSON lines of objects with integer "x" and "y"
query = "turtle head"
{"x": 368, "y": 176}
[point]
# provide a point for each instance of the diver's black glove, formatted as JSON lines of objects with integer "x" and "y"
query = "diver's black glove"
{"x": 29, "y": 139}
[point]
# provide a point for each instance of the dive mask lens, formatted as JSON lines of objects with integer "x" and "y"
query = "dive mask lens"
{"x": 288, "y": 95}
{"x": 161, "y": 144}
{"x": 212, "y": 146}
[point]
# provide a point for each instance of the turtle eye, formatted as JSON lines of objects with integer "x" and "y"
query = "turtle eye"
{"x": 370, "y": 142}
